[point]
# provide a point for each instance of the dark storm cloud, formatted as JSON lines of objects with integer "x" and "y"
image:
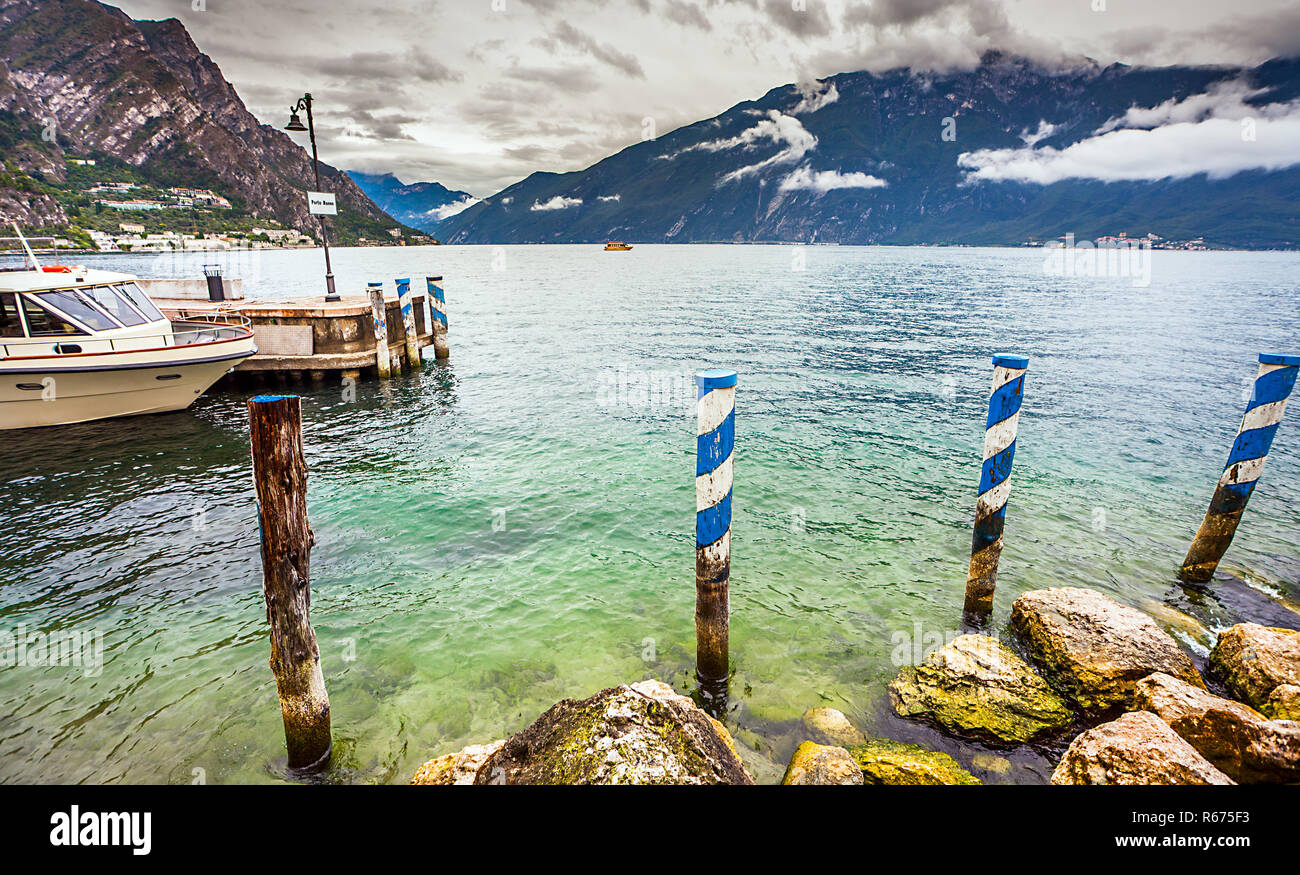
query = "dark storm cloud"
{"x": 804, "y": 18}
{"x": 687, "y": 13}
{"x": 413, "y": 63}
{"x": 566, "y": 34}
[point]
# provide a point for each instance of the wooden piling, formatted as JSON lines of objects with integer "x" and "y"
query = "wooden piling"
{"x": 995, "y": 484}
{"x": 1268, "y": 398}
{"x": 438, "y": 322}
{"x": 409, "y": 331}
{"x": 715, "y": 439}
{"x": 280, "y": 477}
{"x": 379, "y": 312}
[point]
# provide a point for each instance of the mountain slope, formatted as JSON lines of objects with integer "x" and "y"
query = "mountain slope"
{"x": 142, "y": 92}
{"x": 422, "y": 205}
{"x": 862, "y": 158}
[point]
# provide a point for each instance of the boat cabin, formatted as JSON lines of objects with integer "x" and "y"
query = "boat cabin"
{"x": 63, "y": 311}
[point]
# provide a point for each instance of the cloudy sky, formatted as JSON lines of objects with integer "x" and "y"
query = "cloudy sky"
{"x": 477, "y": 94}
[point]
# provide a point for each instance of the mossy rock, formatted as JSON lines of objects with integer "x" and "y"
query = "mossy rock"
{"x": 1254, "y": 660}
{"x": 644, "y": 733}
{"x": 891, "y": 762}
{"x": 1092, "y": 649}
{"x": 1283, "y": 703}
{"x": 975, "y": 686}
{"x": 821, "y": 764}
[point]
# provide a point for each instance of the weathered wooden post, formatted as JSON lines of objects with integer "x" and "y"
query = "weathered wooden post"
{"x": 714, "y": 446}
{"x": 438, "y": 309}
{"x": 379, "y": 312}
{"x": 280, "y": 476}
{"x": 408, "y": 323}
{"x": 995, "y": 482}
{"x": 1273, "y": 385}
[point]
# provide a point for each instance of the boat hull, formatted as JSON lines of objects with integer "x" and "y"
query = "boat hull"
{"x": 46, "y": 397}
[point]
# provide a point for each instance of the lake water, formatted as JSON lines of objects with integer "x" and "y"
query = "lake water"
{"x": 516, "y": 526}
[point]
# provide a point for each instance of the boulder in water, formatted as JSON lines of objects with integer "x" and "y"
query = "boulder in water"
{"x": 975, "y": 686}
{"x": 1093, "y": 649}
{"x": 1138, "y": 748}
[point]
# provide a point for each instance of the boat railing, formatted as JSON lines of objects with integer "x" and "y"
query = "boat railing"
{"x": 189, "y": 331}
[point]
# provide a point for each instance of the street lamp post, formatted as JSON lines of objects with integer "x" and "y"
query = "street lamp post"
{"x": 295, "y": 124}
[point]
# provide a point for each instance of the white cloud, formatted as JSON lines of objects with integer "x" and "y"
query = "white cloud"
{"x": 776, "y": 128}
{"x": 814, "y": 97}
{"x": 1033, "y": 138}
{"x": 828, "y": 180}
{"x": 1217, "y": 147}
{"x": 446, "y": 211}
{"x": 1223, "y": 99}
{"x": 556, "y": 203}
{"x": 610, "y": 197}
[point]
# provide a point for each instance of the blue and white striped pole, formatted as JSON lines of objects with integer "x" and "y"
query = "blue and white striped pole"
{"x": 379, "y": 315}
{"x": 714, "y": 445}
{"x": 1273, "y": 385}
{"x": 408, "y": 323}
{"x": 995, "y": 481}
{"x": 438, "y": 309}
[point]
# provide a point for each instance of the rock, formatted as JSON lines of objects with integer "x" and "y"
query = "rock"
{"x": 829, "y": 726}
{"x": 822, "y": 764}
{"x": 994, "y": 765}
{"x": 1283, "y": 703}
{"x": 977, "y": 687}
{"x": 644, "y": 733}
{"x": 1138, "y": 748}
{"x": 456, "y": 768}
{"x": 1235, "y": 737}
{"x": 1093, "y": 649}
{"x": 1254, "y": 660}
{"x": 890, "y": 762}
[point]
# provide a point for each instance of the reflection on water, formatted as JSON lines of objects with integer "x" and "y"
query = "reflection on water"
{"x": 516, "y": 526}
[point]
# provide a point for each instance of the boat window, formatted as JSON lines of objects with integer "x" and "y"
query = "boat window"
{"x": 41, "y": 322}
{"x": 10, "y": 324}
{"x": 78, "y": 308}
{"x": 114, "y": 305}
{"x": 141, "y": 301}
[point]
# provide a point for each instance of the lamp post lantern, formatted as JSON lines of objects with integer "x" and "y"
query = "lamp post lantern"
{"x": 295, "y": 124}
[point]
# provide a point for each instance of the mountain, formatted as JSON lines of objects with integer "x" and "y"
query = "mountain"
{"x": 81, "y": 78}
{"x": 422, "y": 205}
{"x": 863, "y": 158}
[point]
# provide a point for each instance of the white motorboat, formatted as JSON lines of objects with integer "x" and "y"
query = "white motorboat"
{"x": 79, "y": 344}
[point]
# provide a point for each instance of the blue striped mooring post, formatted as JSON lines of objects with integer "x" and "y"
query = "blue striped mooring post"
{"x": 995, "y": 482}
{"x": 379, "y": 315}
{"x": 408, "y": 323}
{"x": 438, "y": 309}
{"x": 1273, "y": 385}
{"x": 714, "y": 445}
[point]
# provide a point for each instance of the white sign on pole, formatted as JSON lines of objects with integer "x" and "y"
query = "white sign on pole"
{"x": 320, "y": 203}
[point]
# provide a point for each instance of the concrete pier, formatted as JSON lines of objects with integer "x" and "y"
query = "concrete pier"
{"x": 301, "y": 337}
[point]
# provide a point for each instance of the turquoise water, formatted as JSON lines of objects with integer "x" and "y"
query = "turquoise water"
{"x": 516, "y": 526}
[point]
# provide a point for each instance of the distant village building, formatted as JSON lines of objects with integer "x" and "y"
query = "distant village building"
{"x": 131, "y": 228}
{"x": 132, "y": 205}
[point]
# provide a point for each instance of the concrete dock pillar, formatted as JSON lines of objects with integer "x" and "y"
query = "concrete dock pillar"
{"x": 1273, "y": 384}
{"x": 408, "y": 324}
{"x": 438, "y": 324}
{"x": 379, "y": 312}
{"x": 714, "y": 451}
{"x": 995, "y": 483}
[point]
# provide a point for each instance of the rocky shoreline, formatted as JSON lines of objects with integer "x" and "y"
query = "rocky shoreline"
{"x": 1106, "y": 674}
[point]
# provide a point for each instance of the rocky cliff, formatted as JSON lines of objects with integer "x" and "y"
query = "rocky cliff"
{"x": 83, "y": 78}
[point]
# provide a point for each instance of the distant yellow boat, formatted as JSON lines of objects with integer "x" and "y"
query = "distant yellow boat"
{"x": 615, "y": 246}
